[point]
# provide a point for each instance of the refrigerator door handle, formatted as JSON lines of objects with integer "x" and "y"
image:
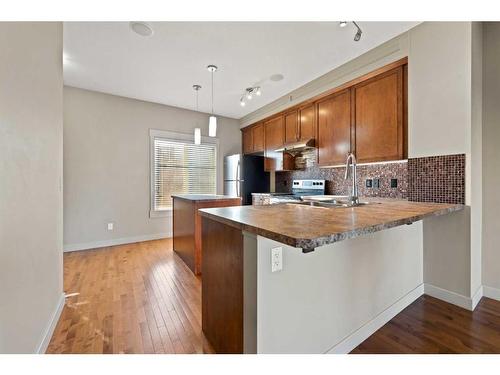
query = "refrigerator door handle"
{"x": 238, "y": 179}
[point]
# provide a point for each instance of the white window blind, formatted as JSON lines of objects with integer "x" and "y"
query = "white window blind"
{"x": 181, "y": 167}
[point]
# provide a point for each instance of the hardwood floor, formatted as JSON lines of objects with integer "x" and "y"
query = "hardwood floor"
{"x": 141, "y": 298}
{"x": 135, "y": 298}
{"x": 432, "y": 326}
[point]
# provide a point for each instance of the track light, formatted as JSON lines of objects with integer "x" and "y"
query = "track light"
{"x": 249, "y": 93}
{"x": 357, "y": 36}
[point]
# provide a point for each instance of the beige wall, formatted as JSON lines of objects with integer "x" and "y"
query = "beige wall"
{"x": 107, "y": 166}
{"x": 444, "y": 74}
{"x": 31, "y": 183}
{"x": 491, "y": 156}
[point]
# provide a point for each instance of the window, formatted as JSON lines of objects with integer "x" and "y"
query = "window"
{"x": 178, "y": 166}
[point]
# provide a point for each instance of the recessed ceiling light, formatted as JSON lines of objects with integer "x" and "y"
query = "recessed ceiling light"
{"x": 141, "y": 28}
{"x": 276, "y": 77}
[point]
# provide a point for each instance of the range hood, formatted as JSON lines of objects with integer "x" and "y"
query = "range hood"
{"x": 295, "y": 147}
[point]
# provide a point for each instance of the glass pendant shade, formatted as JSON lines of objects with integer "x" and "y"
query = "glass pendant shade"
{"x": 212, "y": 126}
{"x": 197, "y": 136}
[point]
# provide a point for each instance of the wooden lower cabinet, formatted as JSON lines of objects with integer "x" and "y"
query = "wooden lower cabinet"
{"x": 187, "y": 241}
{"x": 334, "y": 128}
{"x": 222, "y": 287}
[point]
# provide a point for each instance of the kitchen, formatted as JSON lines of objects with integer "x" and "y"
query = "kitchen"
{"x": 343, "y": 203}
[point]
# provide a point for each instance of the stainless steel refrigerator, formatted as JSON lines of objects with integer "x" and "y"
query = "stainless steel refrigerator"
{"x": 244, "y": 175}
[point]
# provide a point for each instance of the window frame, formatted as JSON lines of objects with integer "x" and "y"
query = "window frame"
{"x": 179, "y": 137}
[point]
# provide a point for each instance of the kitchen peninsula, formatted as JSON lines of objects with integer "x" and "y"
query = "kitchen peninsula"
{"x": 187, "y": 224}
{"x": 366, "y": 265}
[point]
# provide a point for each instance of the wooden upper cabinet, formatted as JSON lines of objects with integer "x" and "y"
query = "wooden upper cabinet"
{"x": 247, "y": 140}
{"x": 379, "y": 117}
{"x": 334, "y": 128}
{"x": 258, "y": 138}
{"x": 307, "y": 123}
{"x": 291, "y": 127}
{"x": 275, "y": 138}
{"x": 274, "y": 133}
{"x": 253, "y": 139}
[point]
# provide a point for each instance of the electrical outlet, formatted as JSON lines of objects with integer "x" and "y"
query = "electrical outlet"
{"x": 394, "y": 182}
{"x": 368, "y": 183}
{"x": 110, "y": 226}
{"x": 276, "y": 259}
{"x": 376, "y": 183}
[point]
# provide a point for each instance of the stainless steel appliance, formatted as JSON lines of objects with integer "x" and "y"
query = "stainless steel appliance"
{"x": 300, "y": 189}
{"x": 244, "y": 175}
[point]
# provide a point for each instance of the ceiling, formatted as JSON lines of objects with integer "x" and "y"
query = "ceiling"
{"x": 109, "y": 57}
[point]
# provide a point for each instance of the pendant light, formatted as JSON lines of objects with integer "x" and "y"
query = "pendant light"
{"x": 212, "y": 120}
{"x": 197, "y": 131}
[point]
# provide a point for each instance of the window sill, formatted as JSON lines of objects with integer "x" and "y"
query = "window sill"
{"x": 159, "y": 214}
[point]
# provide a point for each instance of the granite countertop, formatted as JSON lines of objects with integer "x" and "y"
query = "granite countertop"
{"x": 203, "y": 197}
{"x": 309, "y": 227}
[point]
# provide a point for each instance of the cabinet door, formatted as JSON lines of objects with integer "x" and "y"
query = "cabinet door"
{"x": 247, "y": 140}
{"x": 291, "y": 125}
{"x": 258, "y": 138}
{"x": 307, "y": 123}
{"x": 274, "y": 138}
{"x": 334, "y": 128}
{"x": 274, "y": 133}
{"x": 379, "y": 117}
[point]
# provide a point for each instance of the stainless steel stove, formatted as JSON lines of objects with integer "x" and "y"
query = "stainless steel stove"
{"x": 300, "y": 188}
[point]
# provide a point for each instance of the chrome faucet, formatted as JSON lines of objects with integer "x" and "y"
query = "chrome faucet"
{"x": 353, "y": 197}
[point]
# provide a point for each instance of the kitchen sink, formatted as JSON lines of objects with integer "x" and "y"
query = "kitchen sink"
{"x": 333, "y": 203}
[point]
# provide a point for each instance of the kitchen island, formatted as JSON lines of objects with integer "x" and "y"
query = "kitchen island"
{"x": 345, "y": 272}
{"x": 187, "y": 224}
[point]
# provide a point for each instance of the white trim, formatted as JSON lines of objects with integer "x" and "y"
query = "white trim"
{"x": 116, "y": 241}
{"x": 161, "y": 213}
{"x": 368, "y": 329}
{"x": 49, "y": 330}
{"x": 490, "y": 292}
{"x": 477, "y": 297}
{"x": 450, "y": 297}
{"x": 175, "y": 136}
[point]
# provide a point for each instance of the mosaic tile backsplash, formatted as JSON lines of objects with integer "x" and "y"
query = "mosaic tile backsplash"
{"x": 336, "y": 185}
{"x": 439, "y": 179}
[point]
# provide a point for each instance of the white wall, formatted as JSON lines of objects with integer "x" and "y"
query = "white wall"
{"x": 107, "y": 166}
{"x": 31, "y": 183}
{"x": 321, "y": 298}
{"x": 491, "y": 156}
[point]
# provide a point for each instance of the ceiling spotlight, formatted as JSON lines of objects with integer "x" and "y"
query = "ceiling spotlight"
{"x": 242, "y": 102}
{"x": 343, "y": 23}
{"x": 357, "y": 37}
{"x": 249, "y": 92}
{"x": 257, "y": 92}
{"x": 141, "y": 28}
